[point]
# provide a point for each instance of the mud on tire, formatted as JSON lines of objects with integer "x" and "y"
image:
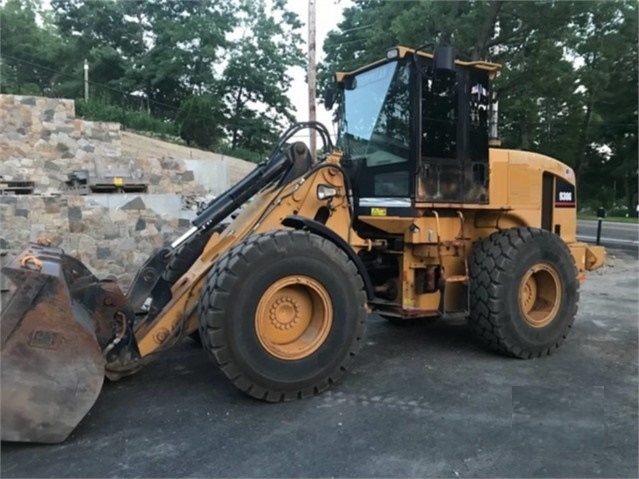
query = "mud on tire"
{"x": 235, "y": 291}
{"x": 500, "y": 270}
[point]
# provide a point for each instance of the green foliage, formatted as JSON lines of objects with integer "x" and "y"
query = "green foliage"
{"x": 568, "y": 88}
{"x": 102, "y": 110}
{"x": 39, "y": 48}
{"x": 180, "y": 60}
{"x": 255, "y": 80}
{"x": 199, "y": 120}
{"x": 617, "y": 218}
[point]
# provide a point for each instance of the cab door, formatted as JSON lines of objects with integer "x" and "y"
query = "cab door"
{"x": 378, "y": 131}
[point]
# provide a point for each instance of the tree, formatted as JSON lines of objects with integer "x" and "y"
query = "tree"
{"x": 101, "y": 32}
{"x": 609, "y": 85}
{"x": 139, "y": 47}
{"x": 256, "y": 79}
{"x": 29, "y": 53}
{"x": 200, "y": 118}
{"x": 568, "y": 86}
{"x": 186, "y": 41}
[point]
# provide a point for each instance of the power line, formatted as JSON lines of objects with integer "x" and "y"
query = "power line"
{"x": 363, "y": 27}
{"x": 339, "y": 44}
{"x": 92, "y": 83}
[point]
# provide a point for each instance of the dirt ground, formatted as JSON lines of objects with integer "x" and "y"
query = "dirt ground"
{"x": 421, "y": 401}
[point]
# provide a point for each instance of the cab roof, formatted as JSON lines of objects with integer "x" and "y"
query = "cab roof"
{"x": 402, "y": 51}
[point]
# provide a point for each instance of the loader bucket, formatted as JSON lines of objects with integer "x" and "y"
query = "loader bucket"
{"x": 51, "y": 360}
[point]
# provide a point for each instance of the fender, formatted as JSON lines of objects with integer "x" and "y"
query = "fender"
{"x": 300, "y": 222}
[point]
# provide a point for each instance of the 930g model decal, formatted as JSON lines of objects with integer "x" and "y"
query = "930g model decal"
{"x": 565, "y": 196}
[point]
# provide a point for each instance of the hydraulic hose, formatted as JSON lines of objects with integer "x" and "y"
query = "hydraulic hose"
{"x": 279, "y": 164}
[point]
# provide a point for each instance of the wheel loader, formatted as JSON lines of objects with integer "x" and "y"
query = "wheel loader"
{"x": 416, "y": 212}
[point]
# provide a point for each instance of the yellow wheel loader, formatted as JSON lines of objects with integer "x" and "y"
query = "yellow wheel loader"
{"x": 413, "y": 214}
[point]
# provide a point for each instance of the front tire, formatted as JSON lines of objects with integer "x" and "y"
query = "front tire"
{"x": 523, "y": 291}
{"x": 283, "y": 314}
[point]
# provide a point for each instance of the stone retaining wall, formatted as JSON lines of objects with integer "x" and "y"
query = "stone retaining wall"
{"x": 42, "y": 141}
{"x": 110, "y": 241}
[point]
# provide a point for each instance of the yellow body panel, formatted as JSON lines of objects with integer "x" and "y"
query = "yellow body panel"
{"x": 264, "y": 213}
{"x": 410, "y": 254}
{"x": 445, "y": 233}
{"x": 440, "y": 234}
{"x": 402, "y": 51}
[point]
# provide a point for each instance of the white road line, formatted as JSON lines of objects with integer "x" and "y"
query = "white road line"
{"x": 607, "y": 240}
{"x": 614, "y": 224}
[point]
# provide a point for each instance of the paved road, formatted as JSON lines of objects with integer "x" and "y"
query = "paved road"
{"x": 614, "y": 235}
{"x": 421, "y": 401}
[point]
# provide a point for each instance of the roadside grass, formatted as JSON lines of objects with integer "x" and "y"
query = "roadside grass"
{"x": 613, "y": 219}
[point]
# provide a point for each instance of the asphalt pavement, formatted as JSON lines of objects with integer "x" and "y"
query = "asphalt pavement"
{"x": 613, "y": 234}
{"x": 426, "y": 400}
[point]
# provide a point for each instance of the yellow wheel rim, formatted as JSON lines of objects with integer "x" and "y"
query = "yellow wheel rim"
{"x": 540, "y": 295}
{"x": 294, "y": 317}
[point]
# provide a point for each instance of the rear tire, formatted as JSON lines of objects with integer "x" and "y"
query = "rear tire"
{"x": 523, "y": 291}
{"x": 283, "y": 314}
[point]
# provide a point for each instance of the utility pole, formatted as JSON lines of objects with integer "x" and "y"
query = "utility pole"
{"x": 86, "y": 80}
{"x": 311, "y": 73}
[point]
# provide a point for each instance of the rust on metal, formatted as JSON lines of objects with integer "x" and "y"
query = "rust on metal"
{"x": 54, "y": 336}
{"x": 30, "y": 261}
{"x": 43, "y": 240}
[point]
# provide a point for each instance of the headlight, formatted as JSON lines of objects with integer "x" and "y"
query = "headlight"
{"x": 325, "y": 191}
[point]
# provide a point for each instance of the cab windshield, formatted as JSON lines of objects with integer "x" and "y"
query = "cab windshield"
{"x": 375, "y": 115}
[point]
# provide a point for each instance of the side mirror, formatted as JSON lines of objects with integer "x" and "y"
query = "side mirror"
{"x": 350, "y": 83}
{"x": 330, "y": 94}
{"x": 445, "y": 58}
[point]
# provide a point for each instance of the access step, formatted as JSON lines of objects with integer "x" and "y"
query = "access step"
{"x": 457, "y": 278}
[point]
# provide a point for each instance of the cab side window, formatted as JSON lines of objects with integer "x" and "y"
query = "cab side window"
{"x": 439, "y": 115}
{"x": 454, "y": 137}
{"x": 440, "y": 172}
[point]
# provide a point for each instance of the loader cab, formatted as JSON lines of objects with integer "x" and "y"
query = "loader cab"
{"x": 414, "y": 129}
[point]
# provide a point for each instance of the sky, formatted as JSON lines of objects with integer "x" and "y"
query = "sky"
{"x": 328, "y": 14}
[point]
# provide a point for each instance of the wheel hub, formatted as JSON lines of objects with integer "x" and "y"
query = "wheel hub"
{"x": 540, "y": 295}
{"x": 529, "y": 293}
{"x": 284, "y": 313}
{"x": 293, "y": 317}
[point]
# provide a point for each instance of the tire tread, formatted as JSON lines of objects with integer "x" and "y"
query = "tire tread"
{"x": 491, "y": 259}
{"x": 214, "y": 305}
